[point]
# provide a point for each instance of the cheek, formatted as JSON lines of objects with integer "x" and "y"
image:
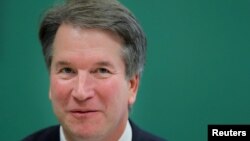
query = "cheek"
{"x": 58, "y": 90}
{"x": 114, "y": 93}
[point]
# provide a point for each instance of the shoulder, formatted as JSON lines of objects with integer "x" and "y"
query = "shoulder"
{"x": 141, "y": 135}
{"x": 46, "y": 134}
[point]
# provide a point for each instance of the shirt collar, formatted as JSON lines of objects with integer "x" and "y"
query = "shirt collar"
{"x": 126, "y": 136}
{"x": 62, "y": 136}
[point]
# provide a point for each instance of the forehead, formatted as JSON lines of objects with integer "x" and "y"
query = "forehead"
{"x": 75, "y": 42}
{"x": 68, "y": 33}
{"x": 74, "y": 32}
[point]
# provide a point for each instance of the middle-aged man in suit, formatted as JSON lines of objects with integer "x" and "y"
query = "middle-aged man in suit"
{"x": 95, "y": 53}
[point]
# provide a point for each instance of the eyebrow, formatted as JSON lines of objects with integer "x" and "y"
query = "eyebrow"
{"x": 101, "y": 63}
{"x": 105, "y": 63}
{"x": 61, "y": 63}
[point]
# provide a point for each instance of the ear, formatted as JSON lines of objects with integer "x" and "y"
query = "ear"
{"x": 50, "y": 94}
{"x": 133, "y": 88}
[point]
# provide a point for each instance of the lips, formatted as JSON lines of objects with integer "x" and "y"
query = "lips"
{"x": 79, "y": 113}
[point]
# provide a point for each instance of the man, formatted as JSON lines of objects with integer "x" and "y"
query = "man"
{"x": 95, "y": 53}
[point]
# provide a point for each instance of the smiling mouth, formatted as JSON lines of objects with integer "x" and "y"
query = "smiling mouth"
{"x": 83, "y": 114}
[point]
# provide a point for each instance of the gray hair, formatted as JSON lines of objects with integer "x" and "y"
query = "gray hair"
{"x": 98, "y": 14}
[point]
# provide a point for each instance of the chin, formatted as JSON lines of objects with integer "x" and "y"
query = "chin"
{"x": 85, "y": 128}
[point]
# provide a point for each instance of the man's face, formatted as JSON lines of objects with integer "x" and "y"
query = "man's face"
{"x": 88, "y": 87}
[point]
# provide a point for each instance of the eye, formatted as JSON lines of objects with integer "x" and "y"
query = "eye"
{"x": 66, "y": 73}
{"x": 101, "y": 73}
{"x": 102, "y": 70}
{"x": 66, "y": 70}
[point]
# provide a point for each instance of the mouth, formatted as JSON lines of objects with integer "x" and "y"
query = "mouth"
{"x": 83, "y": 113}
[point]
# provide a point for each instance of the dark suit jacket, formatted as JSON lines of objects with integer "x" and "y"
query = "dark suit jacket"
{"x": 52, "y": 134}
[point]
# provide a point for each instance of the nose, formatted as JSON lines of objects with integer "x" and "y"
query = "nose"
{"x": 83, "y": 88}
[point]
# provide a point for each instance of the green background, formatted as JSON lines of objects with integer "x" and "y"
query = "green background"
{"x": 197, "y": 71}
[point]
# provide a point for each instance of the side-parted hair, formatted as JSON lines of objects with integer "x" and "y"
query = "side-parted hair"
{"x": 107, "y": 15}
